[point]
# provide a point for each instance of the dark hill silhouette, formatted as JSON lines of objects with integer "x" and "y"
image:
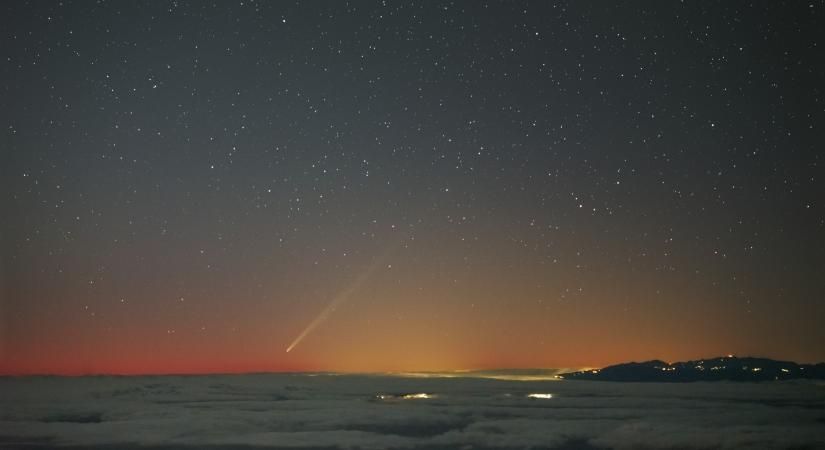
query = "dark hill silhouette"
{"x": 725, "y": 368}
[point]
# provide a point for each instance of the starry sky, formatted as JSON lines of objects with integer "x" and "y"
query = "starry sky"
{"x": 195, "y": 186}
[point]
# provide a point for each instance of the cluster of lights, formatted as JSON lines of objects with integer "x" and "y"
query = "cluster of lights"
{"x": 419, "y": 395}
{"x": 423, "y": 395}
{"x": 543, "y": 396}
{"x": 414, "y": 396}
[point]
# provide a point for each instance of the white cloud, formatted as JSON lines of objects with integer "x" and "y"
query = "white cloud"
{"x": 298, "y": 411}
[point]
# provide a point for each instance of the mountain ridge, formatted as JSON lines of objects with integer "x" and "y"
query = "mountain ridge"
{"x": 722, "y": 368}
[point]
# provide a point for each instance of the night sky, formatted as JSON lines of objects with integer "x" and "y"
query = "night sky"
{"x": 196, "y": 187}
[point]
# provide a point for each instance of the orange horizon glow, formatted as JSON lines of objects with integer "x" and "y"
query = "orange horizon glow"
{"x": 402, "y": 319}
{"x": 155, "y": 367}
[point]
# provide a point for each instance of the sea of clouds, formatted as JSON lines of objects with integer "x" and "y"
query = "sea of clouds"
{"x": 325, "y": 411}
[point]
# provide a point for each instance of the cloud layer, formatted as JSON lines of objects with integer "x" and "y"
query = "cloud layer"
{"x": 375, "y": 412}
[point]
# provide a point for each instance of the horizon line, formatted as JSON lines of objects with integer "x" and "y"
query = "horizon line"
{"x": 400, "y": 373}
{"x": 276, "y": 372}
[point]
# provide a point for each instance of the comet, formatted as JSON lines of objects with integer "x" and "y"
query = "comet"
{"x": 342, "y": 296}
